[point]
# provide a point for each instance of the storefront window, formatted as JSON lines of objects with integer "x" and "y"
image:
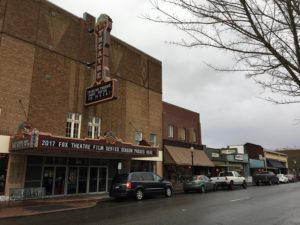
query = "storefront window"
{"x": 94, "y": 127}
{"x": 3, "y": 170}
{"x": 73, "y": 125}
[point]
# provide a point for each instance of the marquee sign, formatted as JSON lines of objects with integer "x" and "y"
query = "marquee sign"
{"x": 105, "y": 88}
{"x": 101, "y": 93}
{"x": 103, "y": 145}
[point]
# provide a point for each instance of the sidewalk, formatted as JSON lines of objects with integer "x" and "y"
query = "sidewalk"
{"x": 42, "y": 206}
{"x": 58, "y": 204}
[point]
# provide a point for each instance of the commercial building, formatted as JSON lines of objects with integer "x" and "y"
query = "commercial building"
{"x": 276, "y": 161}
{"x": 183, "y": 149}
{"x": 66, "y": 138}
{"x": 256, "y": 154}
{"x": 231, "y": 158}
{"x": 293, "y": 159}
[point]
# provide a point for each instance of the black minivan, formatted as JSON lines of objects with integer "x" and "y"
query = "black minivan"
{"x": 139, "y": 185}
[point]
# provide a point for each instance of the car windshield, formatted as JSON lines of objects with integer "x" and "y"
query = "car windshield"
{"x": 194, "y": 178}
{"x": 224, "y": 174}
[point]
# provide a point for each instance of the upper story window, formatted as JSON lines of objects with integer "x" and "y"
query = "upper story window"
{"x": 94, "y": 127}
{"x": 73, "y": 125}
{"x": 182, "y": 134}
{"x": 152, "y": 139}
{"x": 170, "y": 131}
{"x": 138, "y": 136}
{"x": 193, "y": 135}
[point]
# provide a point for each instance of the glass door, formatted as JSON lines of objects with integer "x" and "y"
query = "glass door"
{"x": 82, "y": 179}
{"x": 102, "y": 182}
{"x": 48, "y": 177}
{"x": 93, "y": 179}
{"x": 60, "y": 175}
{"x": 72, "y": 180}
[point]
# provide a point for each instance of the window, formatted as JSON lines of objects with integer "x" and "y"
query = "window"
{"x": 94, "y": 127}
{"x": 182, "y": 134}
{"x": 170, "y": 131}
{"x": 193, "y": 135}
{"x": 138, "y": 136}
{"x": 152, "y": 139}
{"x": 73, "y": 125}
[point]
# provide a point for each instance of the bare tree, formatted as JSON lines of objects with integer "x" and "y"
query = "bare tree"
{"x": 262, "y": 34}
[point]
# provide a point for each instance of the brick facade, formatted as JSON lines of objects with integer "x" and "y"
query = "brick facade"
{"x": 43, "y": 75}
{"x": 181, "y": 118}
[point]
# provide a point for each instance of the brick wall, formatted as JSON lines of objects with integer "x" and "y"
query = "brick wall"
{"x": 181, "y": 118}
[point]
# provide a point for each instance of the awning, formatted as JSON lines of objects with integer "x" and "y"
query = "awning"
{"x": 274, "y": 163}
{"x": 255, "y": 163}
{"x": 183, "y": 156}
{"x": 220, "y": 164}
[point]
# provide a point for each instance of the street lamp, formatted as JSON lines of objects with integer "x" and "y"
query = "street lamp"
{"x": 192, "y": 154}
{"x": 295, "y": 167}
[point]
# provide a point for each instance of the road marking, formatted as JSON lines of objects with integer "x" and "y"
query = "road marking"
{"x": 240, "y": 199}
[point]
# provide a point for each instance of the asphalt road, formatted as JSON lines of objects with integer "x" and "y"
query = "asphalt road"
{"x": 265, "y": 205}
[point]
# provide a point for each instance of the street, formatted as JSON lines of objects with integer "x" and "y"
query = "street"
{"x": 266, "y": 205}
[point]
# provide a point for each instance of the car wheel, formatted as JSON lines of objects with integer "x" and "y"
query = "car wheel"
{"x": 257, "y": 183}
{"x": 244, "y": 185}
{"x": 168, "y": 192}
{"x": 202, "y": 189}
{"x": 186, "y": 191}
{"x": 139, "y": 194}
{"x": 230, "y": 186}
{"x": 270, "y": 182}
{"x": 215, "y": 188}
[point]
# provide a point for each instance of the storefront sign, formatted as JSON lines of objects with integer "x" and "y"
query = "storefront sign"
{"x": 102, "y": 31}
{"x": 103, "y": 92}
{"x": 105, "y": 88}
{"x": 215, "y": 155}
{"x": 239, "y": 157}
{"x": 20, "y": 144}
{"x": 51, "y": 143}
{"x": 228, "y": 151}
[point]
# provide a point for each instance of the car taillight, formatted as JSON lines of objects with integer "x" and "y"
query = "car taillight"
{"x": 128, "y": 185}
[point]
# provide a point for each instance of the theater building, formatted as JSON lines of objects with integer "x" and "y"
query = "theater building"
{"x": 73, "y": 111}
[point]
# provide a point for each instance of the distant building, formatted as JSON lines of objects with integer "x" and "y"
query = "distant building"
{"x": 276, "y": 161}
{"x": 293, "y": 159}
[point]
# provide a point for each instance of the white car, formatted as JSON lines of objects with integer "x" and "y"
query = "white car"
{"x": 282, "y": 178}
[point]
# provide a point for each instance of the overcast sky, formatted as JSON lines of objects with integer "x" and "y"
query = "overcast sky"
{"x": 230, "y": 106}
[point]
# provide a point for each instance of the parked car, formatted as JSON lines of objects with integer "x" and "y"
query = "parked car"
{"x": 266, "y": 177}
{"x": 199, "y": 183}
{"x": 282, "y": 178}
{"x": 291, "y": 178}
{"x": 139, "y": 185}
{"x": 230, "y": 179}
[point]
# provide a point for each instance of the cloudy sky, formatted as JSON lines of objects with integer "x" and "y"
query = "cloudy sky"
{"x": 231, "y": 107}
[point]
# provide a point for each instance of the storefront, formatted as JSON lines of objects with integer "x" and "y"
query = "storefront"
{"x": 228, "y": 160}
{"x": 256, "y": 166}
{"x": 4, "y": 149}
{"x": 180, "y": 163}
{"x": 276, "y": 166}
{"x": 64, "y": 166}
